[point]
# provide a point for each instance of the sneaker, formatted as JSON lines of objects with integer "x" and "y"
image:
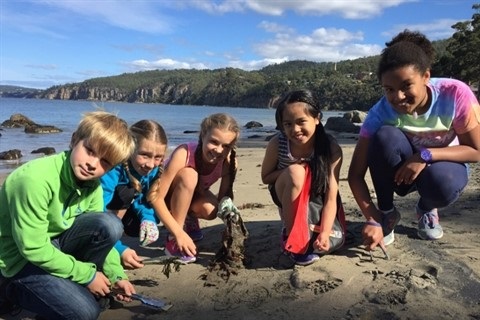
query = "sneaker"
{"x": 428, "y": 225}
{"x": 172, "y": 250}
{"x": 192, "y": 228}
{"x": 304, "y": 259}
{"x": 389, "y": 222}
{"x": 389, "y": 238}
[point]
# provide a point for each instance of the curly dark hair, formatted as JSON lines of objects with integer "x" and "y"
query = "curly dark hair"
{"x": 408, "y": 48}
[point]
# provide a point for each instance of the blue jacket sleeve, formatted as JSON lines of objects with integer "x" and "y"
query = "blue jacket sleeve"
{"x": 120, "y": 247}
{"x": 143, "y": 209}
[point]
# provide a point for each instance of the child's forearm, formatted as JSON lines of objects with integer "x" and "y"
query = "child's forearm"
{"x": 162, "y": 212}
{"x": 329, "y": 212}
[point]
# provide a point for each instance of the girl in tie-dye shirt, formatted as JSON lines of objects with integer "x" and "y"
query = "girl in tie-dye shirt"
{"x": 418, "y": 137}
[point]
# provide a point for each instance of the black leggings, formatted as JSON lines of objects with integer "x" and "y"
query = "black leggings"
{"x": 439, "y": 184}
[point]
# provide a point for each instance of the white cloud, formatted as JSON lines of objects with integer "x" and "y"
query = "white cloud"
{"x": 323, "y": 44}
{"x": 346, "y": 8}
{"x": 162, "y": 64}
{"x": 214, "y": 8}
{"x": 274, "y": 27}
{"x": 255, "y": 64}
{"x": 436, "y": 30}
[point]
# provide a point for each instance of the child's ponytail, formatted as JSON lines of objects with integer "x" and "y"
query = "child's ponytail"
{"x": 133, "y": 181}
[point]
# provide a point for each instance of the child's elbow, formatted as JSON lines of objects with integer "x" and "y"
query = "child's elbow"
{"x": 265, "y": 178}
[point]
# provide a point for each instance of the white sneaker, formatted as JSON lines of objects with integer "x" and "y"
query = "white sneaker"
{"x": 389, "y": 238}
{"x": 389, "y": 222}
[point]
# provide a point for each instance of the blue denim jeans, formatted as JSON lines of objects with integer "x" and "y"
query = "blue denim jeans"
{"x": 90, "y": 238}
{"x": 439, "y": 184}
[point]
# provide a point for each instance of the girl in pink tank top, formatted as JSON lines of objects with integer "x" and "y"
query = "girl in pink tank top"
{"x": 182, "y": 194}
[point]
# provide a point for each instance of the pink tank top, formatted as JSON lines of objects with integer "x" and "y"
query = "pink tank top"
{"x": 205, "y": 181}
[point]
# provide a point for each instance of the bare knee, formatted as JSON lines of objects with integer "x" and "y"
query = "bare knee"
{"x": 186, "y": 180}
{"x": 291, "y": 178}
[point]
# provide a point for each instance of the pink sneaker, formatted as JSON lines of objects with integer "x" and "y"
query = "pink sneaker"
{"x": 171, "y": 249}
{"x": 192, "y": 228}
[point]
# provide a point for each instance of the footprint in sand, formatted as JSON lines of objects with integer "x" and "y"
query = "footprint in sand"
{"x": 323, "y": 286}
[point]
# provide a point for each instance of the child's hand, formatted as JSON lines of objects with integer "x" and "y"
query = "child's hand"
{"x": 148, "y": 232}
{"x": 100, "y": 285}
{"x": 323, "y": 241}
{"x": 186, "y": 244}
{"x": 126, "y": 287}
{"x": 131, "y": 260}
{"x": 372, "y": 235}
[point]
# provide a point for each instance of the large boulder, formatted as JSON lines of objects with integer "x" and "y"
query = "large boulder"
{"x": 355, "y": 116}
{"x": 45, "y": 150}
{"x": 253, "y": 124}
{"x": 17, "y": 120}
{"x": 36, "y": 128}
{"x": 13, "y": 154}
{"x": 341, "y": 124}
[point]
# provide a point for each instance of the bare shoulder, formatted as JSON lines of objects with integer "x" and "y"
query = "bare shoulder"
{"x": 272, "y": 143}
{"x": 178, "y": 159}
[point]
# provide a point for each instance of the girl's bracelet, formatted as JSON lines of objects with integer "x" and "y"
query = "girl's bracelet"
{"x": 373, "y": 223}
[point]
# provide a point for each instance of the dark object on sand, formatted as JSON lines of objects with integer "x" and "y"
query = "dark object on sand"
{"x": 230, "y": 258}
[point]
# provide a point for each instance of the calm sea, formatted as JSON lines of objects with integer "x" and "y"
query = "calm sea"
{"x": 66, "y": 115}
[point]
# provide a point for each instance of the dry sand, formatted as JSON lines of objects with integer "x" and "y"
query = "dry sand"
{"x": 422, "y": 280}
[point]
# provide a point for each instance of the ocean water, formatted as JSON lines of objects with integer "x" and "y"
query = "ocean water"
{"x": 66, "y": 114}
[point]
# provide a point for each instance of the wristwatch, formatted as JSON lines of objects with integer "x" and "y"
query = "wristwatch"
{"x": 426, "y": 155}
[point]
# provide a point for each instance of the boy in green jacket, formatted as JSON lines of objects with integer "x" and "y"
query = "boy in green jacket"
{"x": 56, "y": 256}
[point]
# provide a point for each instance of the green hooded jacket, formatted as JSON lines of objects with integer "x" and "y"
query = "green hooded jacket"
{"x": 39, "y": 201}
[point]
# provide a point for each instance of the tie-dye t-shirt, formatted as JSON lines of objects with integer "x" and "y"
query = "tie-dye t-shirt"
{"x": 454, "y": 110}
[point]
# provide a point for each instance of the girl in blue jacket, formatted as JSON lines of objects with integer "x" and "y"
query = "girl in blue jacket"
{"x": 125, "y": 188}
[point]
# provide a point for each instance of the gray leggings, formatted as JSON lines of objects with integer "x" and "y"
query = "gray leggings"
{"x": 439, "y": 184}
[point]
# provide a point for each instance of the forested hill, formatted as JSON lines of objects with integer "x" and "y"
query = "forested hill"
{"x": 345, "y": 85}
{"x": 18, "y": 92}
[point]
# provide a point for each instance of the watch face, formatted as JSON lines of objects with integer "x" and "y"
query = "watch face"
{"x": 426, "y": 155}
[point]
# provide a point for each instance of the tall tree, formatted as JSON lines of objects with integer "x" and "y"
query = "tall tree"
{"x": 464, "y": 47}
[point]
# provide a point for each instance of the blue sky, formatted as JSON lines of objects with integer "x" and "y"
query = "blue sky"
{"x": 54, "y": 42}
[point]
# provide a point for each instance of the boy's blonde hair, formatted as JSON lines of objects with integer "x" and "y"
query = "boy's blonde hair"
{"x": 107, "y": 134}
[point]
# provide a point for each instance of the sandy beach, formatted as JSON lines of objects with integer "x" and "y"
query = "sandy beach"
{"x": 422, "y": 279}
